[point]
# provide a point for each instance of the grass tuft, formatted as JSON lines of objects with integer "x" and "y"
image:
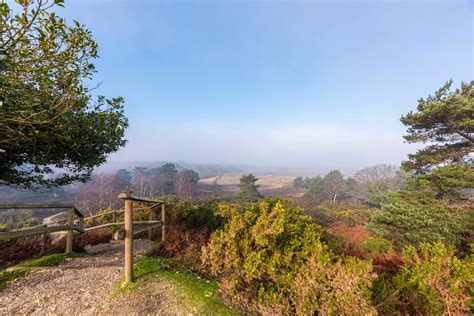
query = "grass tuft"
{"x": 200, "y": 293}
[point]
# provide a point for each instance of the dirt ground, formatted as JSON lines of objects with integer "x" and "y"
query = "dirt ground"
{"x": 85, "y": 285}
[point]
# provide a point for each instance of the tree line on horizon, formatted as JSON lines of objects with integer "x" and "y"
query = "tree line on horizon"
{"x": 385, "y": 241}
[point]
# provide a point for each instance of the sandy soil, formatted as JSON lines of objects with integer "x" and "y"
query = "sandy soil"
{"x": 86, "y": 286}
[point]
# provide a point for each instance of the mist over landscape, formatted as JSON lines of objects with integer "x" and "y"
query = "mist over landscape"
{"x": 240, "y": 157}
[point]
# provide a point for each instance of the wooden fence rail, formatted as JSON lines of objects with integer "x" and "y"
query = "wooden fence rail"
{"x": 75, "y": 222}
{"x": 44, "y": 229}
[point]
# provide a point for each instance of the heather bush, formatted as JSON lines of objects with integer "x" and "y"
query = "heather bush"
{"x": 188, "y": 229}
{"x": 433, "y": 281}
{"x": 265, "y": 254}
{"x": 183, "y": 244}
{"x": 352, "y": 236}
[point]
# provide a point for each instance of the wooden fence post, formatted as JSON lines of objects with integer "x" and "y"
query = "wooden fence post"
{"x": 128, "y": 240}
{"x": 70, "y": 232}
{"x": 163, "y": 223}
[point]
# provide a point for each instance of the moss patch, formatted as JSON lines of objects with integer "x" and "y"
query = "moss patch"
{"x": 47, "y": 261}
{"x": 10, "y": 274}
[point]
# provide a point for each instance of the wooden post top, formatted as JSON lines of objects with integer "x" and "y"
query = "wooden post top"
{"x": 129, "y": 196}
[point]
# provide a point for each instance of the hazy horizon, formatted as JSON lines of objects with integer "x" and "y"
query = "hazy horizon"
{"x": 299, "y": 84}
{"x": 114, "y": 165}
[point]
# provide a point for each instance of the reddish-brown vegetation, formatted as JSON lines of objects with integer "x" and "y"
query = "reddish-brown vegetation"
{"x": 353, "y": 236}
{"x": 95, "y": 237}
{"x": 183, "y": 243}
{"x": 15, "y": 251}
{"x": 389, "y": 262}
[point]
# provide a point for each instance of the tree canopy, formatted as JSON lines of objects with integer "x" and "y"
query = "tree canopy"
{"x": 52, "y": 130}
{"x": 374, "y": 183}
{"x": 446, "y": 121}
{"x": 414, "y": 217}
{"x": 331, "y": 187}
{"x": 249, "y": 188}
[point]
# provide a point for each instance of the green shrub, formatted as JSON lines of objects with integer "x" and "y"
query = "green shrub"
{"x": 414, "y": 217}
{"x": 195, "y": 215}
{"x": 327, "y": 213}
{"x": 447, "y": 181}
{"x": 433, "y": 281}
{"x": 263, "y": 254}
{"x": 102, "y": 219}
{"x": 376, "y": 245}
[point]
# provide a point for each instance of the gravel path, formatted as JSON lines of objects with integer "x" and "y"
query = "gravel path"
{"x": 85, "y": 286}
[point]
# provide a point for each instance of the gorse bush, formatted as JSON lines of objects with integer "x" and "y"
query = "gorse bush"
{"x": 265, "y": 254}
{"x": 433, "y": 281}
{"x": 259, "y": 251}
{"x": 333, "y": 288}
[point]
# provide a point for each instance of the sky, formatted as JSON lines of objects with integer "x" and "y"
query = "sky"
{"x": 274, "y": 83}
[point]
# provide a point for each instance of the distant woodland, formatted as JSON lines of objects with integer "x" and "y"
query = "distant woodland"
{"x": 389, "y": 240}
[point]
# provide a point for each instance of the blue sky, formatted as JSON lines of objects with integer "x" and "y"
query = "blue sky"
{"x": 284, "y": 83}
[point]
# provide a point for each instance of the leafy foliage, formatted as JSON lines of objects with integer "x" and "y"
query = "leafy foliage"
{"x": 334, "y": 288}
{"x": 249, "y": 188}
{"x": 16, "y": 219}
{"x": 166, "y": 174}
{"x": 329, "y": 212}
{"x": 332, "y": 187}
{"x": 261, "y": 256}
{"x": 445, "y": 119}
{"x": 414, "y": 217}
{"x": 195, "y": 215}
{"x": 376, "y": 245}
{"x": 433, "y": 281}
{"x": 300, "y": 183}
{"x": 445, "y": 182}
{"x": 49, "y": 122}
